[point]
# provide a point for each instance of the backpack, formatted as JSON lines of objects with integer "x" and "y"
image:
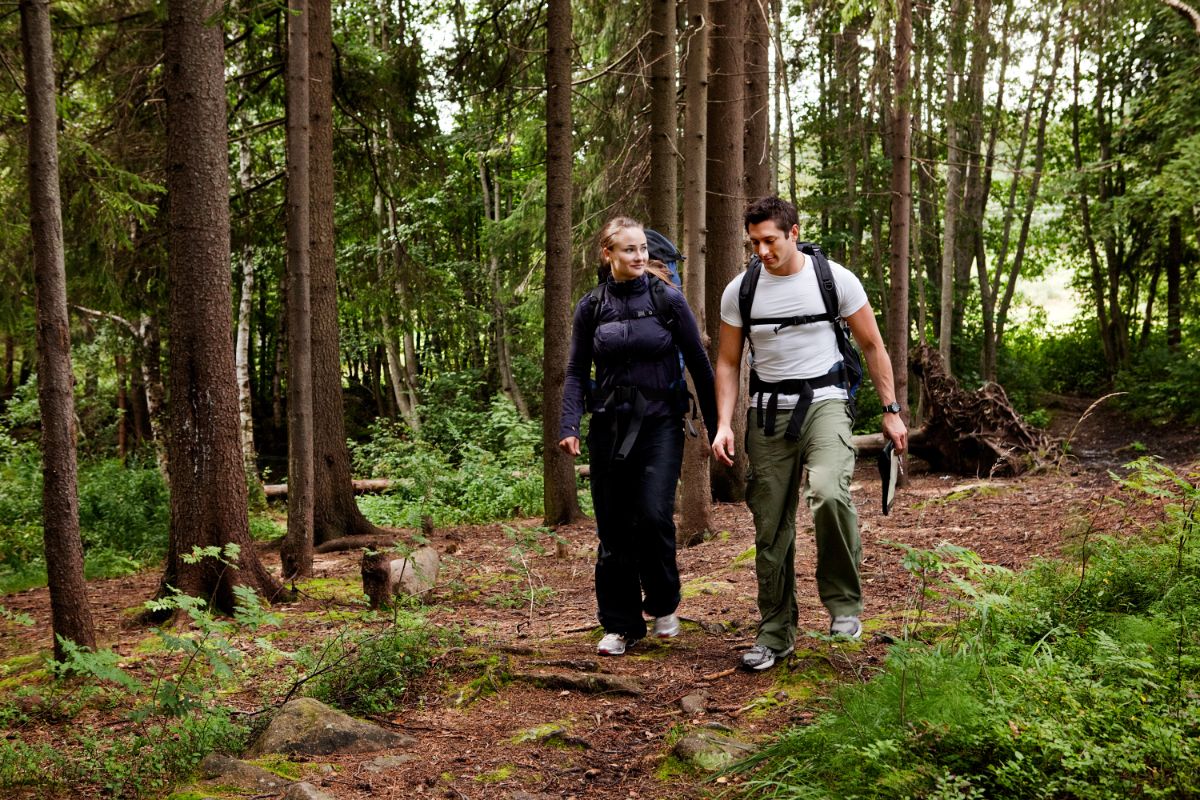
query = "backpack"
{"x": 849, "y": 372}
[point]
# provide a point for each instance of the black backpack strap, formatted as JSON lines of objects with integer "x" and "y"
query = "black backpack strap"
{"x": 851, "y": 369}
{"x": 746, "y": 295}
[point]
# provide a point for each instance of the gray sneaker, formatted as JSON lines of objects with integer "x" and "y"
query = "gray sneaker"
{"x": 614, "y": 644}
{"x": 666, "y": 627}
{"x": 761, "y": 657}
{"x": 848, "y": 627}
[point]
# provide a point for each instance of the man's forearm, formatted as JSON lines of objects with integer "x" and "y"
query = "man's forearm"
{"x": 727, "y": 388}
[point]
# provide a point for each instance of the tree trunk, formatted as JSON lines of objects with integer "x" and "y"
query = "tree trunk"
{"x": 335, "y": 514}
{"x": 757, "y": 155}
{"x": 1174, "y": 274}
{"x": 954, "y": 184}
{"x": 696, "y": 514}
{"x": 725, "y": 203}
{"x": 560, "y": 496}
{"x": 242, "y": 347}
{"x": 71, "y": 616}
{"x": 296, "y": 550}
{"x": 208, "y": 486}
{"x": 901, "y": 185}
{"x": 120, "y": 367}
{"x": 664, "y": 125}
{"x": 508, "y": 383}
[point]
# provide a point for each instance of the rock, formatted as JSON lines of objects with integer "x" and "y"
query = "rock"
{"x": 519, "y": 795}
{"x": 223, "y": 770}
{"x": 384, "y": 577}
{"x": 695, "y": 703}
{"x": 591, "y": 682}
{"x": 307, "y": 727}
{"x": 710, "y": 752}
{"x": 305, "y": 791}
{"x": 389, "y": 762}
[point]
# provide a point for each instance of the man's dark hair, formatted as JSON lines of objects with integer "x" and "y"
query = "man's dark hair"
{"x": 773, "y": 208}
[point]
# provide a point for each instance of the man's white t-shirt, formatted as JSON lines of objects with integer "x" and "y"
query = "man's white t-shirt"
{"x": 797, "y": 351}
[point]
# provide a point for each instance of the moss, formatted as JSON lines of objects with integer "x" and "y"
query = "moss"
{"x": 281, "y": 766}
{"x": 699, "y": 586}
{"x": 985, "y": 490}
{"x": 672, "y": 769}
{"x": 346, "y": 589}
{"x": 497, "y": 775}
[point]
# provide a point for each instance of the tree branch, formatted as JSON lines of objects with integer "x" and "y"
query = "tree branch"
{"x": 1187, "y": 11}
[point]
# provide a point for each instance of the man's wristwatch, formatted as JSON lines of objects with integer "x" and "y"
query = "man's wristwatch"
{"x": 891, "y": 408}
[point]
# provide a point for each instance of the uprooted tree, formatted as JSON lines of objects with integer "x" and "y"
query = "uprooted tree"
{"x": 969, "y": 433}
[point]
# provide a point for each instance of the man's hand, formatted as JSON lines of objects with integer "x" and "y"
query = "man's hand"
{"x": 570, "y": 445}
{"x": 895, "y": 431}
{"x": 722, "y": 445}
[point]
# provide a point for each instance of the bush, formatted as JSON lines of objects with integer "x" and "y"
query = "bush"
{"x": 370, "y": 673}
{"x": 494, "y": 472}
{"x": 1161, "y": 385}
{"x": 123, "y": 516}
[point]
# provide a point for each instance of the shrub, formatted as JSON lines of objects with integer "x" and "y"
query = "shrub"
{"x": 371, "y": 672}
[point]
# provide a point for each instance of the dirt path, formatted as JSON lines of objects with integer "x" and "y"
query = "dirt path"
{"x": 469, "y": 718}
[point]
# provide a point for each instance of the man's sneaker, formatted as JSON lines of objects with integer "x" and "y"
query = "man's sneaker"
{"x": 849, "y": 627}
{"x": 761, "y": 657}
{"x": 666, "y": 627}
{"x": 613, "y": 644}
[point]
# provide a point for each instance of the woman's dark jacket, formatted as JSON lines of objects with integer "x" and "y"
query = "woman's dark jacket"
{"x": 634, "y": 347}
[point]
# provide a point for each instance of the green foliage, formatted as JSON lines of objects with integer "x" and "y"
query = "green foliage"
{"x": 371, "y": 672}
{"x": 123, "y": 516}
{"x": 474, "y": 465}
{"x": 1081, "y": 683}
{"x": 139, "y": 762}
{"x": 1161, "y": 385}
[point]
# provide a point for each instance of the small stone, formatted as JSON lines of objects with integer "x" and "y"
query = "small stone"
{"x": 710, "y": 752}
{"x": 305, "y": 726}
{"x": 389, "y": 762}
{"x": 220, "y": 769}
{"x": 694, "y": 704}
{"x": 305, "y": 791}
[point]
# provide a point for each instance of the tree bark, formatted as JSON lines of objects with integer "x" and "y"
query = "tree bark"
{"x": 560, "y": 496}
{"x": 71, "y": 616}
{"x": 335, "y": 514}
{"x": 901, "y": 186}
{"x": 757, "y": 156}
{"x": 1174, "y": 274}
{"x": 696, "y": 515}
{"x": 208, "y": 486}
{"x": 664, "y": 125}
{"x": 242, "y": 346}
{"x": 954, "y": 184}
{"x": 296, "y": 550}
{"x": 725, "y": 203}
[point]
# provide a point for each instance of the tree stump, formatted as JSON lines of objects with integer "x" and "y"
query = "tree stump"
{"x": 974, "y": 433}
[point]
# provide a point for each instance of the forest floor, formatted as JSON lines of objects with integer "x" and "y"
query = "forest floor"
{"x": 469, "y": 717}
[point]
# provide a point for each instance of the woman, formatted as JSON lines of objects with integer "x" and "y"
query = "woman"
{"x": 634, "y": 326}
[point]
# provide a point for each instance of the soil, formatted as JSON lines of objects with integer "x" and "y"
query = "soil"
{"x": 521, "y": 599}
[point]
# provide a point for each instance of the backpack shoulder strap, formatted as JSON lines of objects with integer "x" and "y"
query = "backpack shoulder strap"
{"x": 596, "y": 298}
{"x": 661, "y": 305}
{"x": 825, "y": 280}
{"x": 746, "y": 293}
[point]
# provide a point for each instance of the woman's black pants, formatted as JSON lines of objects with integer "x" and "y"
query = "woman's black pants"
{"x": 634, "y": 502}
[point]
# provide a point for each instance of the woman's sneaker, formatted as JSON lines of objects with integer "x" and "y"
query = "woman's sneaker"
{"x": 666, "y": 627}
{"x": 761, "y": 657}
{"x": 613, "y": 644}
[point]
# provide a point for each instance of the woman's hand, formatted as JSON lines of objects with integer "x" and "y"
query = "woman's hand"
{"x": 570, "y": 445}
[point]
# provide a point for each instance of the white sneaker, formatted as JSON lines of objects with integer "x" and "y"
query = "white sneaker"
{"x": 613, "y": 644}
{"x": 850, "y": 627}
{"x": 666, "y": 627}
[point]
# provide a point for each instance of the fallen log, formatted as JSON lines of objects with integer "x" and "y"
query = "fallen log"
{"x": 360, "y": 486}
{"x": 974, "y": 433}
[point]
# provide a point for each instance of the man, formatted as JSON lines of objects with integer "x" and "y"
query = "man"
{"x": 795, "y": 372}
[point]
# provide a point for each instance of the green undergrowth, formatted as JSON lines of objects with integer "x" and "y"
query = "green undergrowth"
{"x": 1074, "y": 679}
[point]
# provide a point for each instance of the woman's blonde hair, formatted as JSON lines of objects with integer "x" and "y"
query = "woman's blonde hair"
{"x": 655, "y": 267}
